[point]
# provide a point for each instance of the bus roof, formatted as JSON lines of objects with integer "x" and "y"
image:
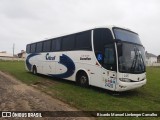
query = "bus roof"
{"x": 104, "y": 26}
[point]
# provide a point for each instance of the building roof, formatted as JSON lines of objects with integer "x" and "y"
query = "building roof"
{"x": 150, "y": 55}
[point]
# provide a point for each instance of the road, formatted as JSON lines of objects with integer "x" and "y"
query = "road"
{"x": 17, "y": 96}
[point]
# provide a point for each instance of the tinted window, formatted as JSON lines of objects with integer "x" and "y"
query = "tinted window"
{"x": 102, "y": 36}
{"x": 53, "y": 45}
{"x": 33, "y": 48}
{"x": 132, "y": 59}
{"x": 128, "y": 36}
{"x": 109, "y": 57}
{"x": 56, "y": 44}
{"x": 104, "y": 48}
{"x": 68, "y": 42}
{"x": 83, "y": 40}
{"x": 39, "y": 47}
{"x": 28, "y": 49}
{"x": 47, "y": 46}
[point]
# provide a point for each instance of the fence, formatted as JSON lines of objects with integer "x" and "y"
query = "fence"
{"x": 11, "y": 59}
{"x": 156, "y": 64}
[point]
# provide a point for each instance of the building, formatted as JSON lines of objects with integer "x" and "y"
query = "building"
{"x": 158, "y": 59}
{"x": 150, "y": 59}
{"x": 5, "y": 56}
{"x": 22, "y": 54}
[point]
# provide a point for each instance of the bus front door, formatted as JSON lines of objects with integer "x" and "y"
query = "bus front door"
{"x": 109, "y": 79}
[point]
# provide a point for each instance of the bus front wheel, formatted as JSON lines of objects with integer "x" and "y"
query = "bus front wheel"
{"x": 82, "y": 79}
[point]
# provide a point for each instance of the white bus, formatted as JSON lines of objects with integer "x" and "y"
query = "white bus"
{"x": 112, "y": 58}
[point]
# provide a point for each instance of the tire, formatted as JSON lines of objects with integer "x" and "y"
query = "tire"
{"x": 83, "y": 79}
{"x": 34, "y": 71}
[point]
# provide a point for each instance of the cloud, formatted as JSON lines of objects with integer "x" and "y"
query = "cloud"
{"x": 24, "y": 21}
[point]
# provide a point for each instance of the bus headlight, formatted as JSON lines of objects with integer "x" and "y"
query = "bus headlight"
{"x": 124, "y": 79}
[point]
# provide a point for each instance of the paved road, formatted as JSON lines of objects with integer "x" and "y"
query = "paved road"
{"x": 16, "y": 96}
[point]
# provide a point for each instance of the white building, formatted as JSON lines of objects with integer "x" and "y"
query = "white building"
{"x": 150, "y": 59}
{"x": 5, "y": 56}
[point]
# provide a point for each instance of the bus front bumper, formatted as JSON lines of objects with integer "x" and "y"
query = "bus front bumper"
{"x": 125, "y": 86}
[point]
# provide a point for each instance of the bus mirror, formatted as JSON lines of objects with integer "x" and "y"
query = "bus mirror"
{"x": 119, "y": 49}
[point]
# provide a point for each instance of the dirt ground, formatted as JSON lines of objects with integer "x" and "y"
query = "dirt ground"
{"x": 16, "y": 96}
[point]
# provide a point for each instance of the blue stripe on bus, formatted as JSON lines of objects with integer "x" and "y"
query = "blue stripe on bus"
{"x": 64, "y": 60}
{"x": 29, "y": 65}
{"x": 69, "y": 64}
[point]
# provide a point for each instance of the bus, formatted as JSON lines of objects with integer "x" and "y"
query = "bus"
{"x": 108, "y": 57}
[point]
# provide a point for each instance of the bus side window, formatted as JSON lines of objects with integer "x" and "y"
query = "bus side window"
{"x": 53, "y": 45}
{"x": 83, "y": 41}
{"x": 28, "y": 49}
{"x": 39, "y": 47}
{"x": 33, "y": 48}
{"x": 58, "y": 44}
{"x": 47, "y": 46}
{"x": 109, "y": 57}
{"x": 68, "y": 42}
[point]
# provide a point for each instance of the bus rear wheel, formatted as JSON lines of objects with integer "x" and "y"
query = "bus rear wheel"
{"x": 34, "y": 70}
{"x": 83, "y": 79}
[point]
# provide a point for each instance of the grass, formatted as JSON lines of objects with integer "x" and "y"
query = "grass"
{"x": 146, "y": 98}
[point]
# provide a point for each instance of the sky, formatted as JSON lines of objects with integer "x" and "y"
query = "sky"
{"x": 26, "y": 21}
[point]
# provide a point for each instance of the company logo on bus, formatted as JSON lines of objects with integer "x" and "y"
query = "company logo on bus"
{"x": 85, "y": 57}
{"x": 49, "y": 57}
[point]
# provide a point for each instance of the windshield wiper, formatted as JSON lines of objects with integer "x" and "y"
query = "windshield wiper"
{"x": 134, "y": 60}
{"x": 138, "y": 60}
{"x": 142, "y": 63}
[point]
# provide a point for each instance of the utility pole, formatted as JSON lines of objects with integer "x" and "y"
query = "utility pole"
{"x": 13, "y": 49}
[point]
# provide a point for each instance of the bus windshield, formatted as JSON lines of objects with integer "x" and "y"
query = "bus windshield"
{"x": 127, "y": 36}
{"x": 131, "y": 56}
